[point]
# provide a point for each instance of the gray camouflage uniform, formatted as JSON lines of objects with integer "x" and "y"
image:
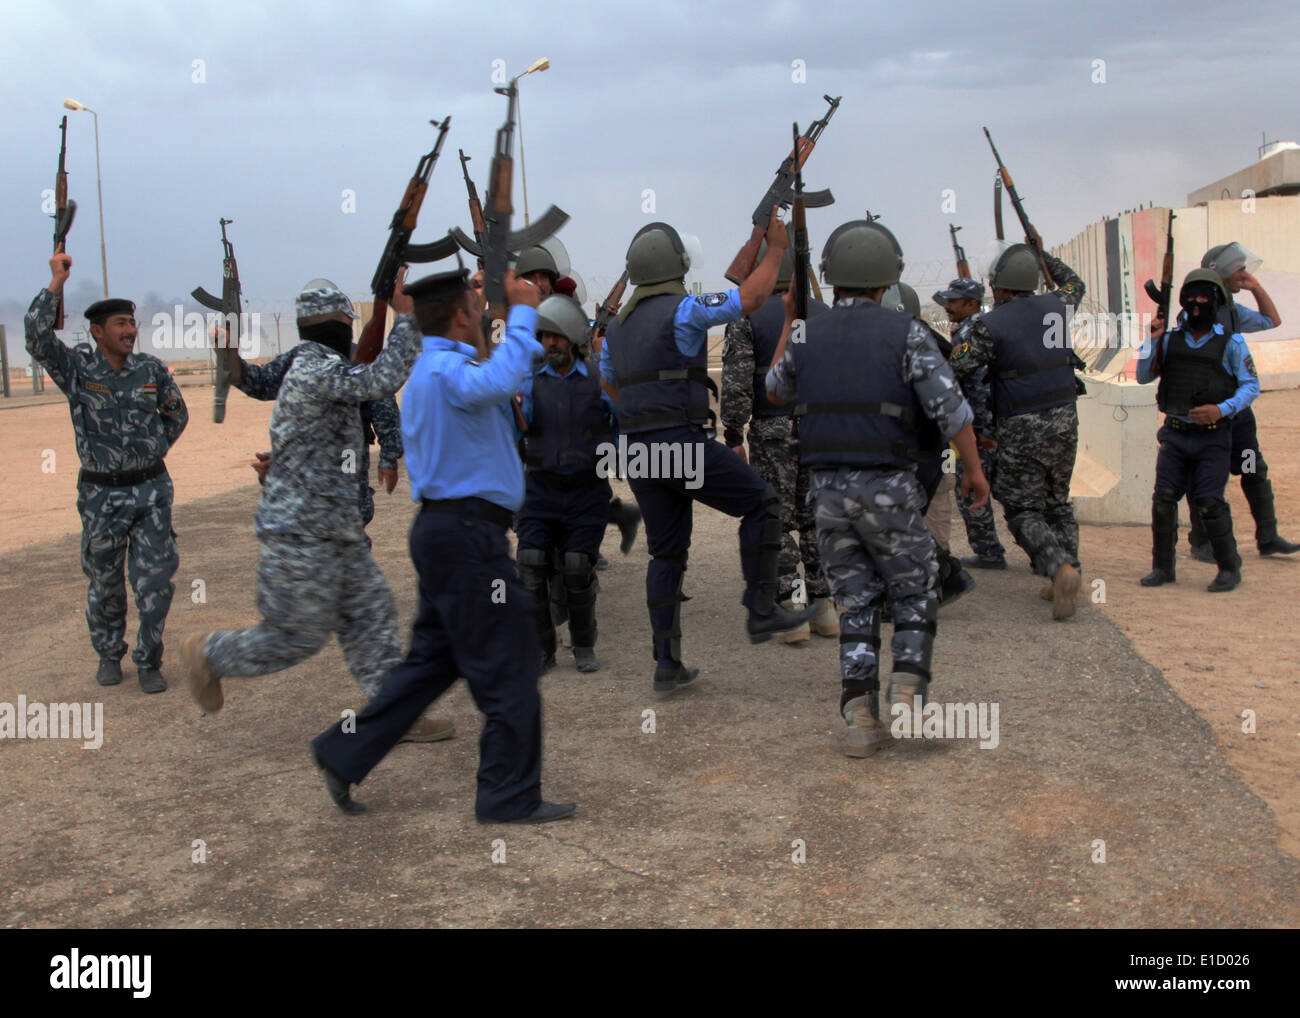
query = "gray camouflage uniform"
{"x": 1036, "y": 451}
{"x": 981, "y": 526}
{"x": 124, "y": 421}
{"x": 380, "y": 419}
{"x": 316, "y": 575}
{"x": 774, "y": 455}
{"x": 870, "y": 530}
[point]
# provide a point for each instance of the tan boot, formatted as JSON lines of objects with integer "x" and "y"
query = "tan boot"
{"x": 910, "y": 691}
{"x": 204, "y": 686}
{"x": 863, "y": 732}
{"x": 1065, "y": 591}
{"x": 827, "y": 620}
{"x": 1048, "y": 593}
{"x": 801, "y": 635}
{"x": 429, "y": 730}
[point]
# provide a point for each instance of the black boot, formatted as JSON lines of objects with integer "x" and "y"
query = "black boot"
{"x": 766, "y": 617}
{"x": 1164, "y": 541}
{"x": 1218, "y": 527}
{"x": 580, "y": 588}
{"x": 1196, "y": 537}
{"x": 954, "y": 581}
{"x": 1259, "y": 496}
{"x": 627, "y": 518}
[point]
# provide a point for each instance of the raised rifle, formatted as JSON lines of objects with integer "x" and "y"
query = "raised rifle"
{"x": 400, "y": 251}
{"x": 997, "y": 206}
{"x": 475, "y": 206}
{"x": 1163, "y": 294}
{"x": 799, "y": 221}
{"x": 230, "y": 307}
{"x": 963, "y": 266}
{"x": 605, "y": 313}
{"x": 1032, "y": 237}
{"x": 64, "y": 211}
{"x": 781, "y": 193}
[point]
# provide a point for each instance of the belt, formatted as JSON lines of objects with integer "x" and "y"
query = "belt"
{"x": 1178, "y": 425}
{"x": 122, "y": 479}
{"x": 567, "y": 482}
{"x": 480, "y": 507}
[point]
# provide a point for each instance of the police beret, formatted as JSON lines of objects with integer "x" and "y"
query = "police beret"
{"x": 101, "y": 309}
{"x": 438, "y": 286}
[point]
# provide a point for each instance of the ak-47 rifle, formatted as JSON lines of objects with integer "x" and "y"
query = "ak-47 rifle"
{"x": 1032, "y": 237}
{"x": 475, "y": 206}
{"x": 498, "y": 241}
{"x": 781, "y": 193}
{"x": 230, "y": 306}
{"x": 963, "y": 266}
{"x": 997, "y": 206}
{"x": 605, "y": 313}
{"x": 64, "y": 211}
{"x": 1164, "y": 293}
{"x": 400, "y": 251}
{"x": 799, "y": 221}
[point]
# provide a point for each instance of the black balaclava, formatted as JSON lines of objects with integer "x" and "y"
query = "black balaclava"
{"x": 335, "y": 335}
{"x": 1200, "y": 315}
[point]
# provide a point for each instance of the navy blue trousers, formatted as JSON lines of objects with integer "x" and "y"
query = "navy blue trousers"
{"x": 1193, "y": 463}
{"x": 475, "y": 620}
{"x": 559, "y": 518}
{"x": 730, "y": 485}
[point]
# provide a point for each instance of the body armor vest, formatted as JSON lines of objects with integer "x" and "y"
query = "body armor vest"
{"x": 569, "y": 421}
{"x": 1191, "y": 377}
{"x": 767, "y": 323}
{"x": 1028, "y": 374}
{"x": 658, "y": 385}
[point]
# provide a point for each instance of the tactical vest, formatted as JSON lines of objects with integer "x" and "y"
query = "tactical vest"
{"x": 1027, "y": 374}
{"x": 568, "y": 423}
{"x": 1190, "y": 377}
{"x": 768, "y": 322}
{"x": 855, "y": 406}
{"x": 658, "y": 386}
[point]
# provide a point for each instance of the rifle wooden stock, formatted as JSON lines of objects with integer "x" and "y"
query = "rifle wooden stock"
{"x": 60, "y": 204}
{"x": 371, "y": 340}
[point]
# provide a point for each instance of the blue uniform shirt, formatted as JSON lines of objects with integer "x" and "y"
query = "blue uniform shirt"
{"x": 691, "y": 323}
{"x": 457, "y": 424}
{"x": 1236, "y": 359}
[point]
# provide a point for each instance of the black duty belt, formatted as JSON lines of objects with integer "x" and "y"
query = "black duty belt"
{"x": 480, "y": 507}
{"x": 566, "y": 482}
{"x": 121, "y": 479}
{"x": 1178, "y": 425}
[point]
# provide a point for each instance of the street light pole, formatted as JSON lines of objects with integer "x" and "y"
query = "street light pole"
{"x": 72, "y": 104}
{"x": 537, "y": 65}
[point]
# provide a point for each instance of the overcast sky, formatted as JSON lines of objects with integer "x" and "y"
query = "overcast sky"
{"x": 294, "y": 104}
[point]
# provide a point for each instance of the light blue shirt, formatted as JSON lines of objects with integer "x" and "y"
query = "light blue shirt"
{"x": 691, "y": 323}
{"x": 1236, "y": 359}
{"x": 457, "y": 424}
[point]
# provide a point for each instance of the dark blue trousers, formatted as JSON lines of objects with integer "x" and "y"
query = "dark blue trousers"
{"x": 557, "y": 517}
{"x": 1193, "y": 463}
{"x": 475, "y": 620}
{"x": 730, "y": 485}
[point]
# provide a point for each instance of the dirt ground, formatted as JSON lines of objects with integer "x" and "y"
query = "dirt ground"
{"x": 1121, "y": 726}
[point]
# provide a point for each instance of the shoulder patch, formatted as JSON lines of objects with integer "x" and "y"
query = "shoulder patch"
{"x": 712, "y": 300}
{"x": 1250, "y": 366}
{"x": 959, "y": 350}
{"x": 170, "y": 406}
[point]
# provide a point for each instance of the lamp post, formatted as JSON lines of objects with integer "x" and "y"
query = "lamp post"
{"x": 72, "y": 104}
{"x": 536, "y": 65}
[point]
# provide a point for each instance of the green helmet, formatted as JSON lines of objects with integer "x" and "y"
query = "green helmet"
{"x": 1227, "y": 259}
{"x": 537, "y": 259}
{"x": 1206, "y": 276}
{"x": 901, "y": 297}
{"x": 861, "y": 255}
{"x": 656, "y": 255}
{"x": 564, "y": 317}
{"x": 1016, "y": 269}
{"x": 786, "y": 272}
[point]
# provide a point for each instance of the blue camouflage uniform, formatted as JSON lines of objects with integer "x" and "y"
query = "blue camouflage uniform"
{"x": 380, "y": 420}
{"x": 981, "y": 525}
{"x": 124, "y": 421}
{"x": 475, "y": 616}
{"x": 870, "y": 527}
{"x": 316, "y": 576}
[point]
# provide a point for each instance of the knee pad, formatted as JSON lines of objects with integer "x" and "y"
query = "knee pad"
{"x": 534, "y": 566}
{"x": 1211, "y": 508}
{"x": 578, "y": 571}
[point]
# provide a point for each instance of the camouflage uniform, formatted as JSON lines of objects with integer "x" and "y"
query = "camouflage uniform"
{"x": 873, "y": 540}
{"x": 380, "y": 419}
{"x": 1036, "y": 451}
{"x": 774, "y": 455}
{"x": 316, "y": 575}
{"x": 981, "y": 527}
{"x": 124, "y": 421}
